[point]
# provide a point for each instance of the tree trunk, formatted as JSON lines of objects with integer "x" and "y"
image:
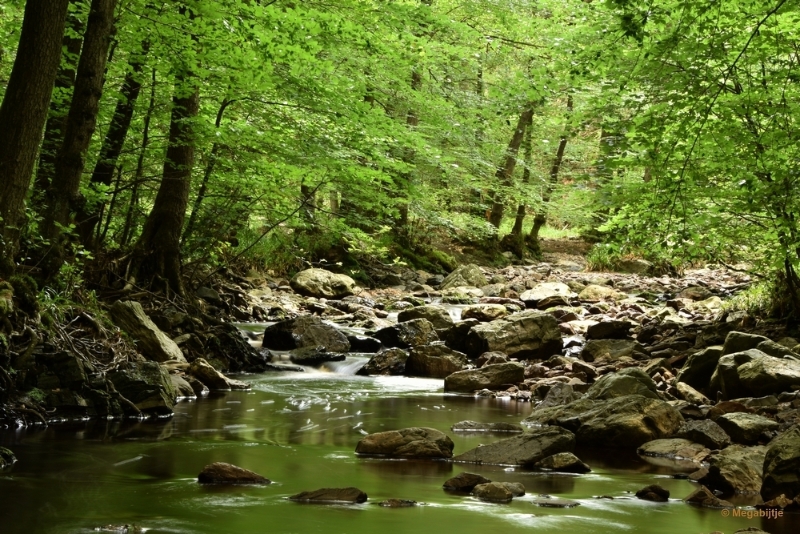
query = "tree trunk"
{"x": 212, "y": 160}
{"x": 59, "y": 108}
{"x": 23, "y": 114}
{"x": 159, "y": 252}
{"x": 112, "y": 146}
{"x": 412, "y": 120}
{"x": 64, "y": 197}
{"x": 541, "y": 215}
{"x": 515, "y": 241}
{"x": 506, "y": 170}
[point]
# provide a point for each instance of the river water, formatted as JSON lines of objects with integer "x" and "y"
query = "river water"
{"x": 300, "y": 430}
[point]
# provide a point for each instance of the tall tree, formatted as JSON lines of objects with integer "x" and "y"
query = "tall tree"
{"x": 506, "y": 170}
{"x": 23, "y": 114}
{"x": 63, "y": 197}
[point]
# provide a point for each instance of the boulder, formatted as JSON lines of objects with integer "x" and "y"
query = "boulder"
{"x": 464, "y": 482}
{"x": 491, "y": 358}
{"x": 694, "y": 293}
{"x": 629, "y": 381}
{"x": 782, "y": 466}
{"x": 620, "y": 422}
{"x": 699, "y": 367}
{"x": 492, "y": 492}
{"x": 146, "y": 384}
{"x": 654, "y": 493}
{"x": 736, "y": 469}
{"x": 608, "y": 349}
{"x": 331, "y": 495}
{"x": 777, "y": 350}
{"x": 320, "y": 283}
{"x": 528, "y": 334}
{"x": 525, "y": 449}
{"x": 465, "y": 275}
{"x": 496, "y": 376}
{"x": 456, "y": 336}
{"x": 484, "y": 312}
{"x": 224, "y": 473}
{"x": 408, "y": 334}
{"x": 740, "y": 342}
{"x": 154, "y": 344}
{"x": 183, "y": 389}
{"x": 434, "y": 361}
{"x": 563, "y": 462}
{"x": 611, "y": 329}
{"x": 559, "y": 394}
{"x": 545, "y": 290}
{"x": 364, "y": 344}
{"x": 674, "y": 449}
{"x": 7, "y": 458}
{"x": 597, "y": 293}
{"x": 517, "y": 489}
{"x": 474, "y": 426}
{"x": 314, "y": 356}
{"x": 745, "y": 428}
{"x": 305, "y": 331}
{"x": 438, "y": 316}
{"x": 703, "y": 497}
{"x": 704, "y": 432}
{"x": 205, "y": 373}
{"x": 386, "y": 362}
{"x": 415, "y": 442}
{"x": 753, "y": 373}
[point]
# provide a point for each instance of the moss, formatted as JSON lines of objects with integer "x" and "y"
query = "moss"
{"x": 25, "y": 291}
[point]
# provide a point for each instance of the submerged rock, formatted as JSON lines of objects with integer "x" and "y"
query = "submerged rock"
{"x": 464, "y": 482}
{"x": 331, "y": 495}
{"x": 224, "y": 473}
{"x": 397, "y": 503}
{"x": 654, "y": 493}
{"x": 548, "y": 501}
{"x": 525, "y": 449}
{"x": 415, "y": 442}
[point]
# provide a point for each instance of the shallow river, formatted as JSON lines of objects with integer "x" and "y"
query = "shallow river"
{"x": 300, "y": 430}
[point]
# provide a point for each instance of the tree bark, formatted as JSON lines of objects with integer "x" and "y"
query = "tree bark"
{"x": 506, "y": 169}
{"x": 412, "y": 120}
{"x": 23, "y": 114}
{"x": 113, "y": 142}
{"x": 59, "y": 108}
{"x": 159, "y": 246}
{"x": 515, "y": 241}
{"x": 64, "y": 197}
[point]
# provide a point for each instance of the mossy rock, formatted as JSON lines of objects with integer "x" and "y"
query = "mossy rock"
{"x": 25, "y": 293}
{"x": 7, "y": 458}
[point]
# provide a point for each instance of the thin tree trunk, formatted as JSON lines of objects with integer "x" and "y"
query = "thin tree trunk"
{"x": 159, "y": 252}
{"x": 212, "y": 160}
{"x": 113, "y": 142}
{"x": 59, "y": 108}
{"x": 23, "y": 114}
{"x": 101, "y": 237}
{"x": 506, "y": 170}
{"x": 334, "y": 203}
{"x": 515, "y": 241}
{"x": 130, "y": 217}
{"x": 412, "y": 120}
{"x": 63, "y": 197}
{"x": 541, "y": 215}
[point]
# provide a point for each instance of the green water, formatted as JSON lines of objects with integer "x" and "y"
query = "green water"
{"x": 300, "y": 430}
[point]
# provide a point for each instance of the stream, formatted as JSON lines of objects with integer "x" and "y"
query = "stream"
{"x": 300, "y": 431}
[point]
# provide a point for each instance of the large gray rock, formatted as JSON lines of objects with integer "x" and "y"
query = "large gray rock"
{"x": 205, "y": 373}
{"x": 146, "y": 384}
{"x": 753, "y": 373}
{"x": 740, "y": 342}
{"x": 629, "y": 381}
{"x": 465, "y": 275}
{"x": 386, "y": 362}
{"x": 611, "y": 329}
{"x": 620, "y": 422}
{"x": 782, "y": 466}
{"x": 736, "y": 469}
{"x": 559, "y": 394}
{"x": 699, "y": 367}
{"x": 529, "y": 334}
{"x": 415, "y": 442}
{"x": 489, "y": 377}
{"x": 305, "y": 331}
{"x": 331, "y": 495}
{"x": 437, "y": 315}
{"x": 674, "y": 449}
{"x": 224, "y": 473}
{"x": 596, "y": 293}
{"x": 608, "y": 349}
{"x": 706, "y": 432}
{"x": 434, "y": 361}
{"x": 545, "y": 290}
{"x": 322, "y": 284}
{"x": 408, "y": 334}
{"x": 150, "y": 340}
{"x": 745, "y": 428}
{"x": 484, "y": 312}
{"x": 314, "y": 356}
{"x": 525, "y": 449}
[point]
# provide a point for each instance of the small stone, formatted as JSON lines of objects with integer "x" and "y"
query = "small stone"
{"x": 224, "y": 473}
{"x": 465, "y": 482}
{"x": 397, "y": 503}
{"x": 654, "y": 493}
{"x": 331, "y": 495}
{"x": 548, "y": 501}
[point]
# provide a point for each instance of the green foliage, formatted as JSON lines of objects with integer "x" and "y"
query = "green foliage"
{"x": 758, "y": 300}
